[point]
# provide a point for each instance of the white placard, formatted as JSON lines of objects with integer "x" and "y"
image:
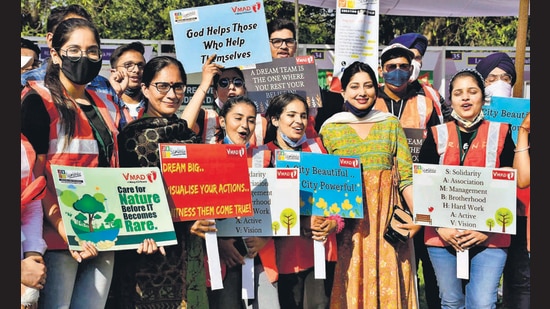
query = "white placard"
{"x": 465, "y": 197}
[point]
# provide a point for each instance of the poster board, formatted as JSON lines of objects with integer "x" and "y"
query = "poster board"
{"x": 415, "y": 139}
{"x": 465, "y": 197}
{"x": 329, "y": 184}
{"x": 236, "y": 32}
{"x": 114, "y": 215}
{"x": 206, "y": 181}
{"x": 276, "y": 203}
{"x": 295, "y": 74}
{"x": 508, "y": 110}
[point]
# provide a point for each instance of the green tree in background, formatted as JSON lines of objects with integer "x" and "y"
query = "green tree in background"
{"x": 149, "y": 20}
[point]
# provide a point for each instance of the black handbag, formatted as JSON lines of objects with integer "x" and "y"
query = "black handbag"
{"x": 398, "y": 212}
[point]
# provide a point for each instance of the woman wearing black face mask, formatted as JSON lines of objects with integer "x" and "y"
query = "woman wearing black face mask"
{"x": 70, "y": 125}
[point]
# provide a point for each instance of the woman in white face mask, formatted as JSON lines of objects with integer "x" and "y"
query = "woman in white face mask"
{"x": 499, "y": 73}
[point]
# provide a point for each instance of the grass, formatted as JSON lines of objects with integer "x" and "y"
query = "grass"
{"x": 422, "y": 304}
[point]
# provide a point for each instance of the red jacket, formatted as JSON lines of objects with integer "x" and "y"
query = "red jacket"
{"x": 83, "y": 149}
{"x": 484, "y": 151}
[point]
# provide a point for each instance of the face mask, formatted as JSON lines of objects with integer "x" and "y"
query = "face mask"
{"x": 227, "y": 140}
{"x": 467, "y": 123}
{"x": 357, "y": 112}
{"x": 498, "y": 89}
{"x": 396, "y": 77}
{"x": 80, "y": 72}
{"x": 132, "y": 92}
{"x": 292, "y": 143}
{"x": 416, "y": 70}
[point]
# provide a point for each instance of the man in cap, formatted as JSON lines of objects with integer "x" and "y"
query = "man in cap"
{"x": 412, "y": 107}
{"x": 417, "y": 43}
{"x": 499, "y": 73}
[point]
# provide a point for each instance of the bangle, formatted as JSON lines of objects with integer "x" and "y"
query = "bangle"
{"x": 528, "y": 130}
{"x": 522, "y": 149}
{"x": 339, "y": 222}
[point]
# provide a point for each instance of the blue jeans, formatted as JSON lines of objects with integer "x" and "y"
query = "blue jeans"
{"x": 486, "y": 266}
{"x": 76, "y": 285}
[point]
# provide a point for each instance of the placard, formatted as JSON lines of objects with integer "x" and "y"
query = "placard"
{"x": 295, "y": 74}
{"x": 508, "y": 110}
{"x": 236, "y": 32}
{"x": 329, "y": 184}
{"x": 206, "y": 181}
{"x": 415, "y": 139}
{"x": 465, "y": 197}
{"x": 276, "y": 203}
{"x": 114, "y": 215}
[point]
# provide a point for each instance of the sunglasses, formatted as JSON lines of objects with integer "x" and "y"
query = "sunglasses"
{"x": 394, "y": 66}
{"x": 237, "y": 82}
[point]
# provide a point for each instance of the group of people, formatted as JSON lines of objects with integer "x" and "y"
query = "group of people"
{"x": 71, "y": 115}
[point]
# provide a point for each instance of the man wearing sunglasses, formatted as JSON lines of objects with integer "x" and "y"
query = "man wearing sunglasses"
{"x": 412, "y": 107}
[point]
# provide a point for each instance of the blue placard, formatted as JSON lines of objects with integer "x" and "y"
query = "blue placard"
{"x": 329, "y": 184}
{"x": 236, "y": 32}
{"x": 508, "y": 110}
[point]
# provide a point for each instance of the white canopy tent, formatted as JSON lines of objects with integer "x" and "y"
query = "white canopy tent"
{"x": 442, "y": 8}
{"x": 449, "y": 8}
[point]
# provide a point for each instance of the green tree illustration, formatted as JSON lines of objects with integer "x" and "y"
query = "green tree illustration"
{"x": 275, "y": 226}
{"x": 289, "y": 218}
{"x": 81, "y": 218}
{"x": 490, "y": 223}
{"x": 110, "y": 219}
{"x": 504, "y": 218}
{"x": 89, "y": 205}
{"x": 118, "y": 223}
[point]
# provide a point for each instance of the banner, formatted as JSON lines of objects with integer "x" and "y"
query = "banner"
{"x": 329, "y": 184}
{"x": 356, "y": 36}
{"x": 114, "y": 215}
{"x": 206, "y": 181}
